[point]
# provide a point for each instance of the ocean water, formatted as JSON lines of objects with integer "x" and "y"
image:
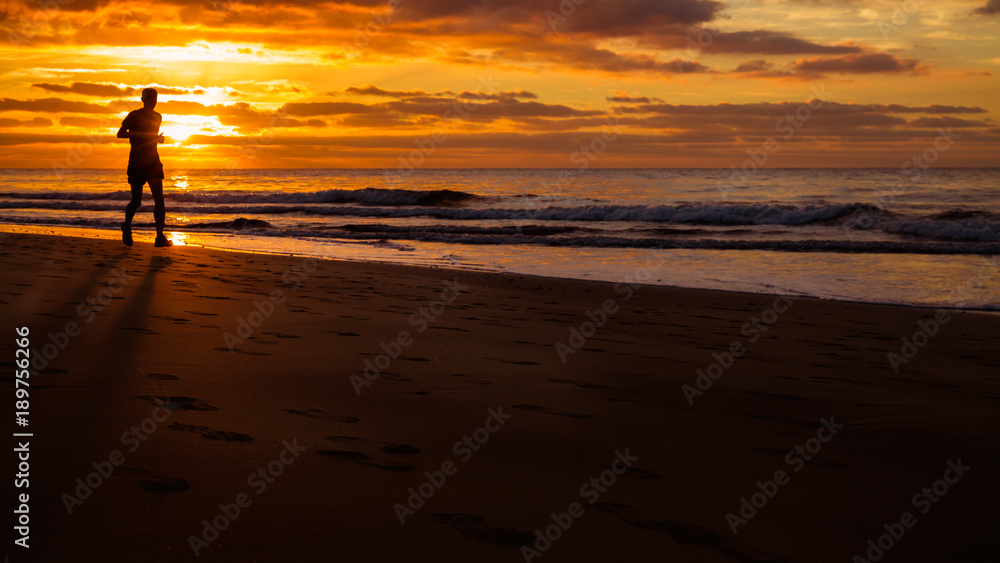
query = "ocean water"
{"x": 929, "y": 237}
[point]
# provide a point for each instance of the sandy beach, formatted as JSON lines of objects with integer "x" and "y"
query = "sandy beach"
{"x": 191, "y": 404}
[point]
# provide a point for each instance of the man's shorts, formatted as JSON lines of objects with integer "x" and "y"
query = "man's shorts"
{"x": 139, "y": 174}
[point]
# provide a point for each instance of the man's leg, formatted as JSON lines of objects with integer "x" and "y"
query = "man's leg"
{"x": 159, "y": 210}
{"x": 130, "y": 209}
{"x": 134, "y": 204}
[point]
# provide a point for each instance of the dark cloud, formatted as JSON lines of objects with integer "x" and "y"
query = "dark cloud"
{"x": 773, "y": 43}
{"x": 858, "y": 64}
{"x": 781, "y": 109}
{"x": 991, "y": 8}
{"x": 626, "y": 99}
{"x": 309, "y": 109}
{"x": 942, "y": 121}
{"x": 372, "y": 90}
{"x": 491, "y": 110}
{"x": 51, "y": 105}
{"x": 754, "y": 66}
{"x": 36, "y": 122}
{"x": 588, "y": 57}
{"x": 759, "y": 41}
{"x": 111, "y": 90}
{"x": 509, "y": 95}
{"x": 624, "y": 17}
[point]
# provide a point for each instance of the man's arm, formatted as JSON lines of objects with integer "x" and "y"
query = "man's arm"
{"x": 125, "y": 131}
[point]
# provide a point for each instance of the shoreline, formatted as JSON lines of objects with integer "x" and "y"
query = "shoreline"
{"x": 83, "y": 232}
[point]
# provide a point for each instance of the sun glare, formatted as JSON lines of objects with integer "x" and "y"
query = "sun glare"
{"x": 180, "y": 133}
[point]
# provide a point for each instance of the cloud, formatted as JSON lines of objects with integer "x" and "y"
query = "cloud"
{"x": 623, "y": 98}
{"x": 758, "y": 41}
{"x": 588, "y": 57}
{"x": 782, "y": 109}
{"x": 87, "y": 122}
{"x": 509, "y": 95}
{"x": 760, "y": 68}
{"x": 112, "y": 90}
{"x": 942, "y": 121}
{"x": 307, "y": 109}
{"x": 858, "y": 64}
{"x": 372, "y": 90}
{"x": 620, "y": 18}
{"x": 51, "y": 105}
{"x": 36, "y": 122}
{"x": 991, "y": 8}
{"x": 491, "y": 110}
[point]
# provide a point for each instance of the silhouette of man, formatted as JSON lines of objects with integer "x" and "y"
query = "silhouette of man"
{"x": 142, "y": 128}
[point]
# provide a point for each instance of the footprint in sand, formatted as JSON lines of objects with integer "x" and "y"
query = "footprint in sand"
{"x": 547, "y": 410}
{"x": 212, "y": 433}
{"x": 388, "y": 375}
{"x": 282, "y": 335}
{"x": 322, "y": 415}
{"x": 477, "y": 528}
{"x": 365, "y": 459}
{"x": 579, "y": 384}
{"x": 387, "y": 447}
{"x": 162, "y": 376}
{"x": 515, "y": 362}
{"x": 178, "y": 403}
{"x": 142, "y": 330}
{"x": 690, "y": 534}
{"x": 172, "y": 319}
{"x": 241, "y": 351}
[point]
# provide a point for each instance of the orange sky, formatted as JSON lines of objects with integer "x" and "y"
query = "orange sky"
{"x": 519, "y": 83}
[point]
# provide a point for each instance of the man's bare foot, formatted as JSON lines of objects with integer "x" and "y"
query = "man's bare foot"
{"x": 126, "y": 234}
{"x": 162, "y": 241}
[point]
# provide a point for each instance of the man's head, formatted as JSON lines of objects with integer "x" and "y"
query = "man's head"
{"x": 149, "y": 98}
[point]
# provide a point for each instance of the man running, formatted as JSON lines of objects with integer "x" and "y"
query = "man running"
{"x": 141, "y": 127}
